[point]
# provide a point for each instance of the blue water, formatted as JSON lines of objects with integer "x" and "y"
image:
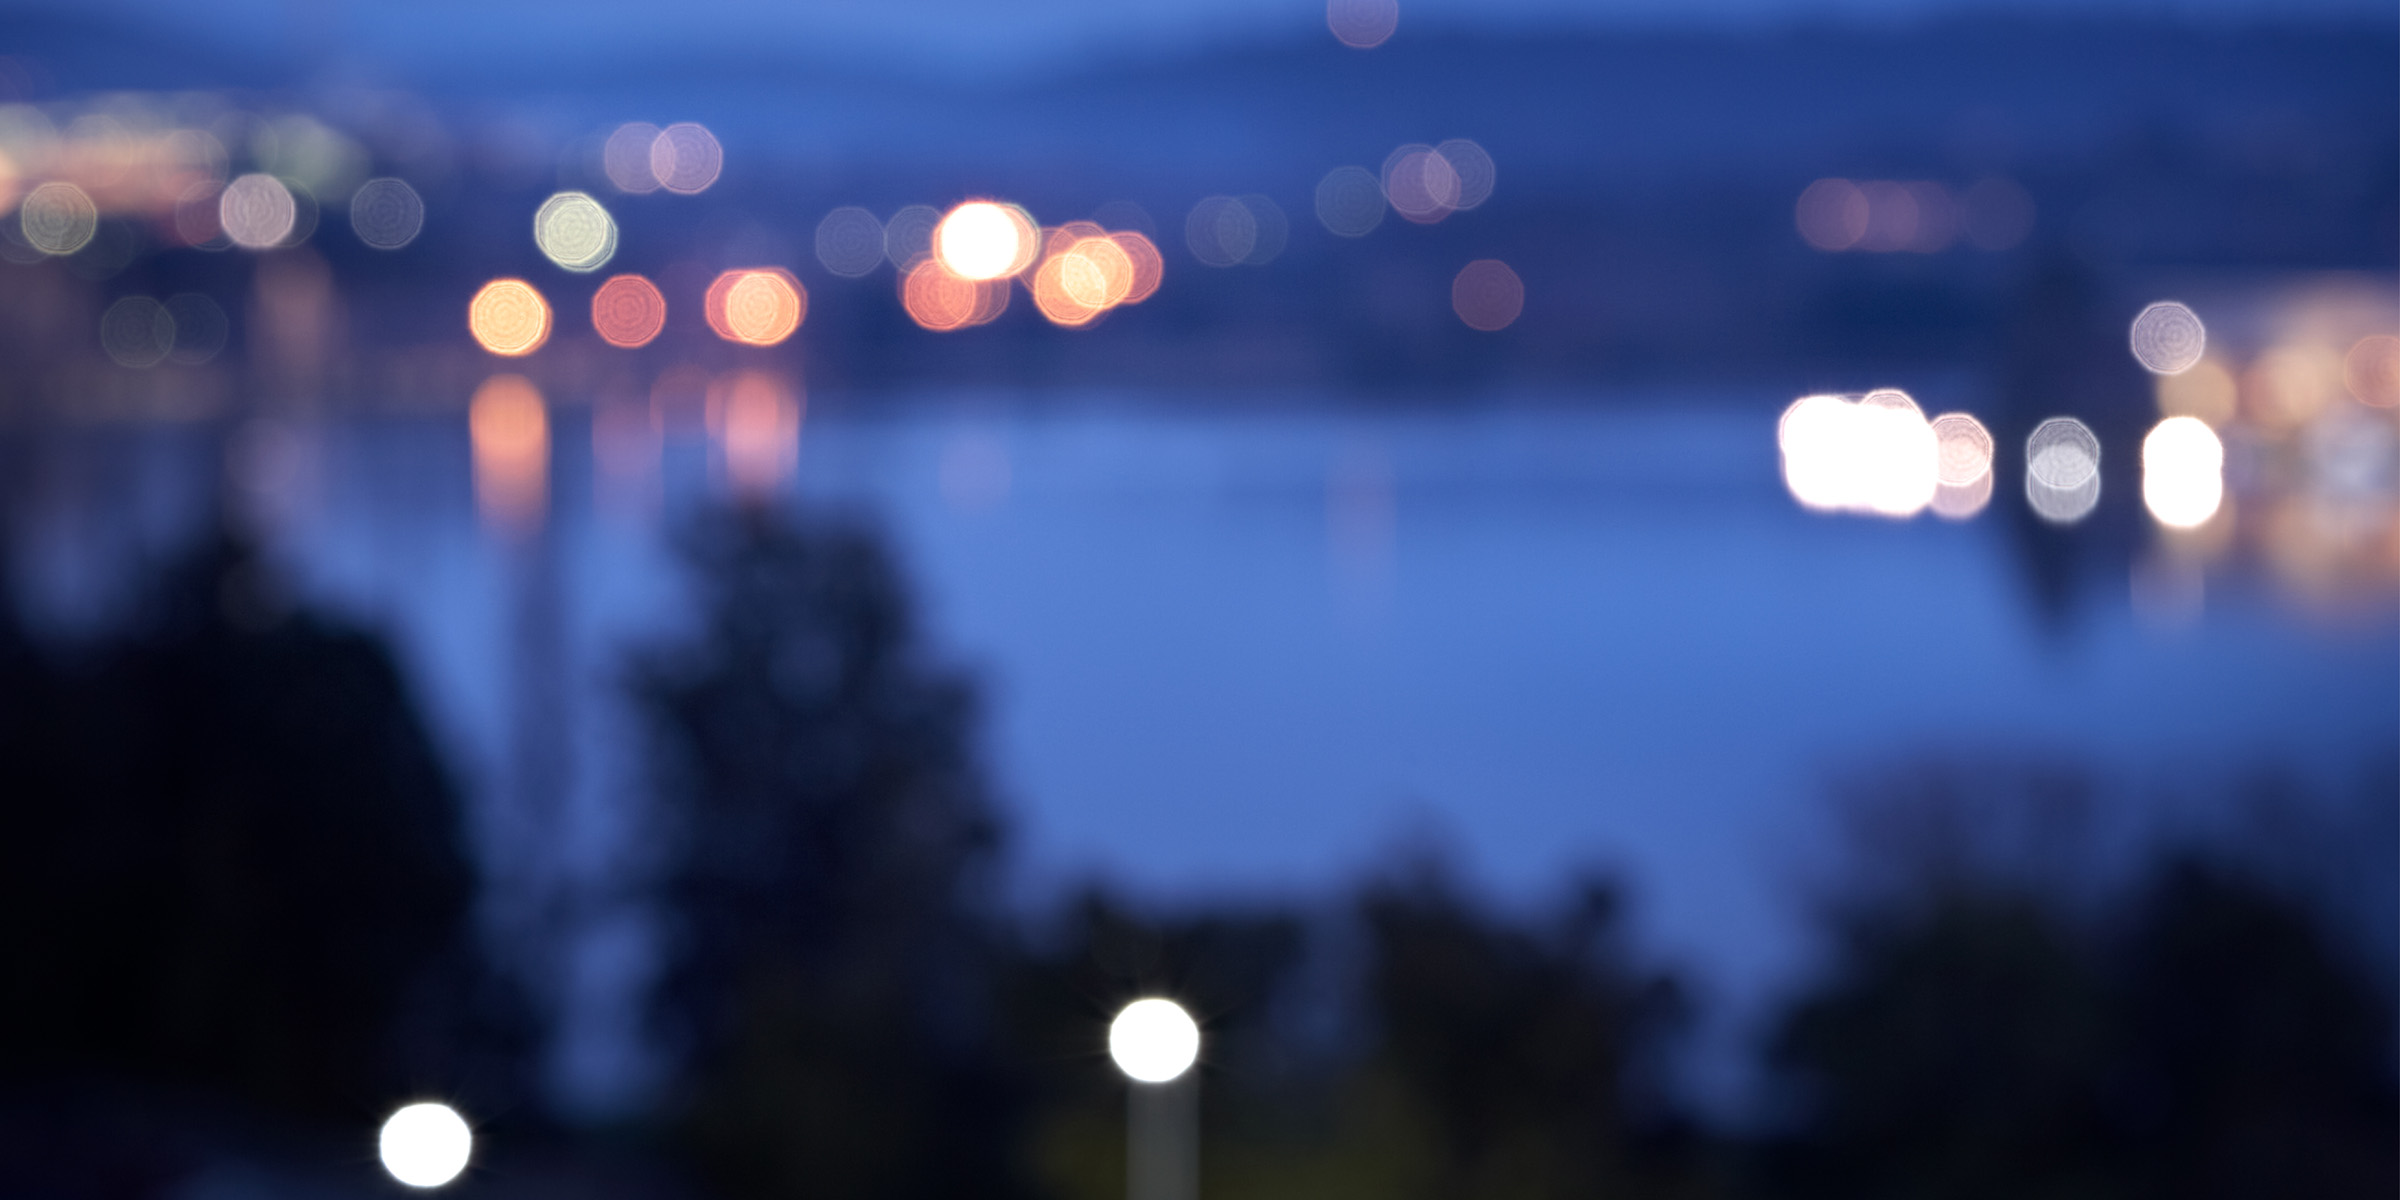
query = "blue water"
{"x": 1245, "y": 650}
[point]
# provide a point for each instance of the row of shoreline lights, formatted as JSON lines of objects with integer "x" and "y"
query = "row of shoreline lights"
{"x": 1879, "y": 455}
{"x": 428, "y": 1144}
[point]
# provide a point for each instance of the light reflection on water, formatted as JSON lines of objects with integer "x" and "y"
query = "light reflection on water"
{"x": 1256, "y": 649}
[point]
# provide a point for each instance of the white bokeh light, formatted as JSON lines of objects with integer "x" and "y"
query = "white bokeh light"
{"x": 2183, "y": 472}
{"x": 1154, "y": 1040}
{"x": 977, "y": 241}
{"x": 425, "y": 1145}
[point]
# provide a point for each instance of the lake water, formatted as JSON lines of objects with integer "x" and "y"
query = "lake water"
{"x": 1232, "y": 651}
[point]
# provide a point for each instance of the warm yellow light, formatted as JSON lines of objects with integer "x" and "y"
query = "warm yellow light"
{"x": 509, "y": 318}
{"x": 757, "y": 306}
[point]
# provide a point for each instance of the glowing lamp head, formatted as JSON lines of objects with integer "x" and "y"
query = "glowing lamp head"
{"x": 425, "y": 1145}
{"x": 978, "y": 240}
{"x": 1154, "y": 1041}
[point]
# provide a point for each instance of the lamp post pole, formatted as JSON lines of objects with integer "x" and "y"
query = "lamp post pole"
{"x": 1155, "y": 1042}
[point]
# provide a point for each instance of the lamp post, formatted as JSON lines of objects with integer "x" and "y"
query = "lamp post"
{"x": 1155, "y": 1042}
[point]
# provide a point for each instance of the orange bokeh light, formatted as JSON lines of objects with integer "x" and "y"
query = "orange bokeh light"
{"x": 756, "y": 418}
{"x": 509, "y": 318}
{"x": 937, "y": 299}
{"x": 510, "y": 432}
{"x": 628, "y": 311}
{"x": 1097, "y": 272}
{"x": 756, "y": 306}
{"x": 1053, "y": 297}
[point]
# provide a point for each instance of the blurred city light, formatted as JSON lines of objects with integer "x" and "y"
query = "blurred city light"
{"x": 1421, "y": 185}
{"x": 196, "y": 219}
{"x": 1362, "y": 24}
{"x": 980, "y": 240}
{"x": 386, "y": 213}
{"x": 1875, "y": 455}
{"x": 574, "y": 232}
{"x": 1055, "y": 300}
{"x": 625, "y": 158}
{"x": 1221, "y": 231}
{"x": 509, "y": 429}
{"x": 2372, "y": 371}
{"x": 58, "y": 218}
{"x": 509, "y": 318}
{"x": 2183, "y": 472}
{"x": 1831, "y": 214}
{"x": 1154, "y": 1041}
{"x": 686, "y": 158}
{"x": 908, "y": 236}
{"x": 425, "y": 1145}
{"x": 137, "y": 331}
{"x": 756, "y": 306}
{"x": 628, "y": 311}
{"x": 938, "y": 300}
{"x": 2062, "y": 470}
{"x": 850, "y": 242}
{"x": 1963, "y": 466}
{"x": 2168, "y": 338}
{"x": 1487, "y": 295}
{"x": 1274, "y": 230}
{"x": 2205, "y": 391}
{"x": 1919, "y": 216}
{"x": 1350, "y": 202}
{"x": 258, "y": 212}
{"x": 1476, "y": 172}
{"x": 1149, "y": 266}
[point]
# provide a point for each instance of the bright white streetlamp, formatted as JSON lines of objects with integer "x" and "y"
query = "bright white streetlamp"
{"x": 425, "y": 1145}
{"x": 1155, "y": 1043}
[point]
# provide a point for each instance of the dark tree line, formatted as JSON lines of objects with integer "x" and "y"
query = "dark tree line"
{"x": 237, "y": 874}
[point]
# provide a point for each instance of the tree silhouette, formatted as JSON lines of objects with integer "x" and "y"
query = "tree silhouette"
{"x": 826, "y": 834}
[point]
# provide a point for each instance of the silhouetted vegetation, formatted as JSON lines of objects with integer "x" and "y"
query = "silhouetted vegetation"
{"x": 234, "y": 873}
{"x": 237, "y": 881}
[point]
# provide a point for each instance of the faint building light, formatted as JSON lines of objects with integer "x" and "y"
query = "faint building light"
{"x": 1487, "y": 295}
{"x": 2290, "y": 385}
{"x": 981, "y": 240}
{"x": 936, "y": 299}
{"x": 685, "y": 158}
{"x": 1350, "y": 202}
{"x": 1476, "y": 172}
{"x": 1221, "y": 232}
{"x": 1937, "y": 217}
{"x": 257, "y": 212}
{"x": 1125, "y": 214}
{"x": 974, "y": 473}
{"x": 1831, "y": 214}
{"x": 756, "y": 306}
{"x": 1274, "y": 230}
{"x": 756, "y": 417}
{"x": 1421, "y": 185}
{"x": 1963, "y": 466}
{"x": 1996, "y": 214}
{"x": 628, "y": 311}
{"x": 509, "y": 318}
{"x": 425, "y": 1145}
{"x": 58, "y": 218}
{"x": 196, "y": 217}
{"x": 2183, "y": 472}
{"x": 625, "y": 158}
{"x": 2206, "y": 392}
{"x": 136, "y": 331}
{"x": 908, "y": 236}
{"x": 1149, "y": 266}
{"x": 2062, "y": 470}
{"x": 386, "y": 213}
{"x": 510, "y": 432}
{"x": 574, "y": 232}
{"x": 1154, "y": 1041}
{"x": 2372, "y": 371}
{"x": 850, "y": 242}
{"x": 2168, "y": 338}
{"x": 201, "y": 329}
{"x": 1891, "y": 217}
{"x": 1362, "y": 24}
